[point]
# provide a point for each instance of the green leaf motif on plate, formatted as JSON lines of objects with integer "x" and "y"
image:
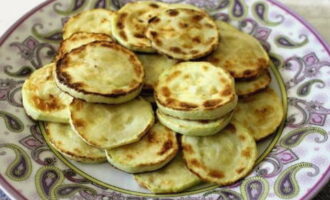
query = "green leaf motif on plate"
{"x": 12, "y": 123}
{"x": 224, "y": 194}
{"x": 305, "y": 88}
{"x": 285, "y": 42}
{"x": 255, "y": 188}
{"x": 69, "y": 190}
{"x": 74, "y": 7}
{"x": 19, "y": 169}
{"x": 47, "y": 179}
{"x": 286, "y": 185}
{"x": 22, "y": 72}
{"x": 295, "y": 137}
{"x": 54, "y": 36}
{"x": 260, "y": 10}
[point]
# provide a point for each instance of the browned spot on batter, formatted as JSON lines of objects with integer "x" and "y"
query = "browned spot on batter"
{"x": 263, "y": 111}
{"x": 242, "y": 137}
{"x": 212, "y": 103}
{"x": 120, "y": 25}
{"x": 158, "y": 42}
{"x": 197, "y": 18}
{"x": 154, "y": 20}
{"x": 186, "y": 76}
{"x": 118, "y": 91}
{"x": 153, "y": 5}
{"x": 197, "y": 39}
{"x": 166, "y": 147}
{"x": 246, "y": 152}
{"x": 172, "y": 12}
{"x": 240, "y": 170}
{"x": 77, "y": 104}
{"x": 217, "y": 174}
{"x": 262, "y": 62}
{"x": 173, "y": 75}
{"x": 49, "y": 104}
{"x": 187, "y": 105}
{"x": 194, "y": 52}
{"x": 213, "y": 60}
{"x": 195, "y": 163}
{"x": 183, "y": 25}
{"x": 205, "y": 68}
{"x": 166, "y": 91}
{"x": 151, "y": 137}
{"x": 138, "y": 35}
{"x": 49, "y": 77}
{"x": 227, "y": 91}
{"x": 103, "y": 20}
{"x": 78, "y": 123}
{"x": 176, "y": 49}
{"x": 170, "y": 101}
{"x": 231, "y": 128}
{"x": 129, "y": 157}
{"x": 153, "y": 34}
{"x": 188, "y": 46}
{"x": 122, "y": 16}
{"x": 123, "y": 35}
{"x": 187, "y": 148}
{"x": 248, "y": 72}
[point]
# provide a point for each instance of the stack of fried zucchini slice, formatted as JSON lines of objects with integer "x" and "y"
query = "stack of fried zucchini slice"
{"x": 207, "y": 81}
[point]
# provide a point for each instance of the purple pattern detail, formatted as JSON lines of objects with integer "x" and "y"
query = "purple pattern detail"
{"x": 254, "y": 189}
{"x": 73, "y": 177}
{"x": 30, "y": 142}
{"x": 251, "y": 27}
{"x": 100, "y": 4}
{"x": 306, "y": 67}
{"x": 279, "y": 157}
{"x": 237, "y": 9}
{"x": 10, "y": 91}
{"x": 209, "y": 4}
{"x": 312, "y": 112}
{"x": 221, "y": 16}
{"x": 49, "y": 178}
{"x": 31, "y": 50}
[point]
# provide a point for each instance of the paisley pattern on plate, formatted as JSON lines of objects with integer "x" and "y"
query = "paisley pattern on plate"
{"x": 30, "y": 170}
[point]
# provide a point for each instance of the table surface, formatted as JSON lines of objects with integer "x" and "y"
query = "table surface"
{"x": 10, "y": 12}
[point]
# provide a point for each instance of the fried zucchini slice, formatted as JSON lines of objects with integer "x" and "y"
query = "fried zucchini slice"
{"x": 183, "y": 34}
{"x": 247, "y": 87}
{"x": 42, "y": 100}
{"x": 194, "y": 127}
{"x": 239, "y": 53}
{"x": 261, "y": 113}
{"x": 78, "y": 39}
{"x": 222, "y": 158}
{"x": 100, "y": 72}
{"x": 154, "y": 65}
{"x": 68, "y": 143}
{"x": 153, "y": 151}
{"x": 130, "y": 22}
{"x": 91, "y": 21}
{"x": 174, "y": 177}
{"x": 108, "y": 126}
{"x": 196, "y": 91}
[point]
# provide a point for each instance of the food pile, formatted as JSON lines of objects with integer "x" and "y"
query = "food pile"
{"x": 207, "y": 81}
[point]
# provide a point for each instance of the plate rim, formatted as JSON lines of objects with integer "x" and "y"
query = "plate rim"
{"x": 317, "y": 187}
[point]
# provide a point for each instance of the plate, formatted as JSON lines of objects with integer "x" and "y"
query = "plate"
{"x": 292, "y": 164}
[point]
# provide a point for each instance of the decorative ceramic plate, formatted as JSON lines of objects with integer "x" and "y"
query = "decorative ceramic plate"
{"x": 292, "y": 164}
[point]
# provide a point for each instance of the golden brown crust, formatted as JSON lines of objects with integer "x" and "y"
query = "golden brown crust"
{"x": 78, "y": 37}
{"x": 66, "y": 79}
{"x": 183, "y": 29}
